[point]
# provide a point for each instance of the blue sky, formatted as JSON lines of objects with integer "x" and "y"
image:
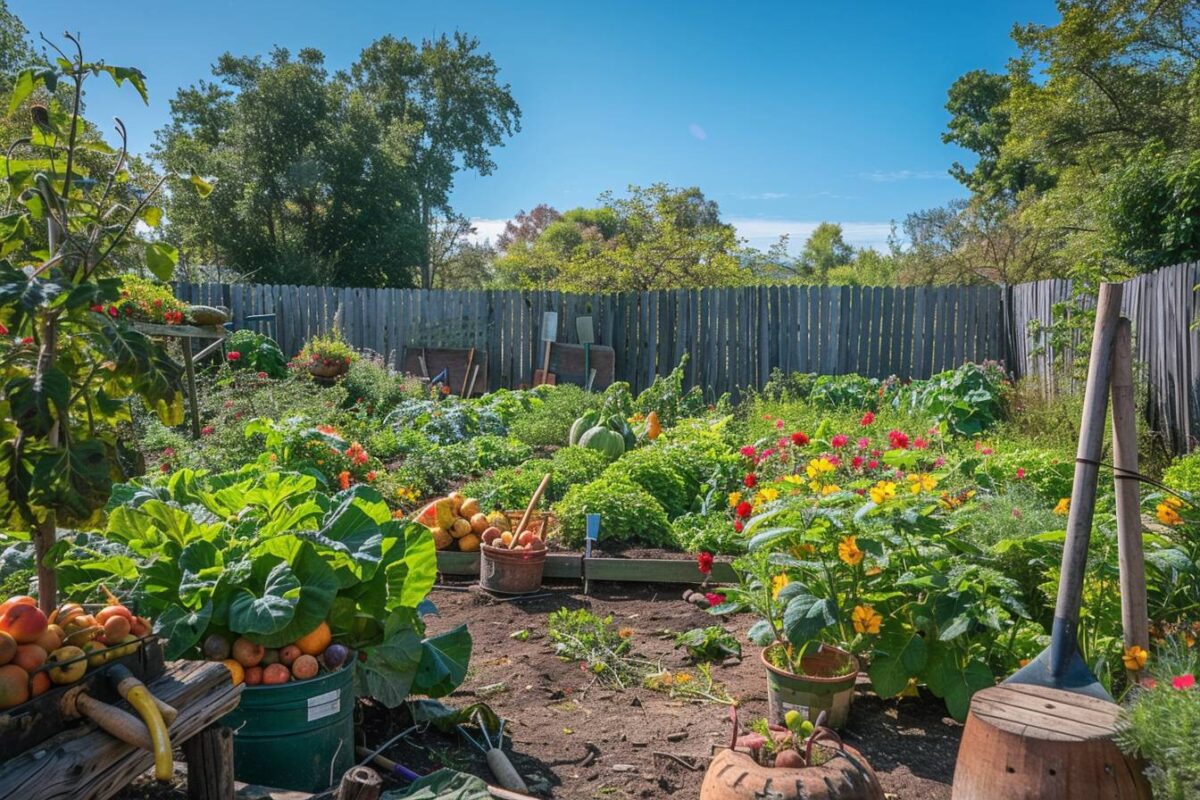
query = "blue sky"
{"x": 785, "y": 113}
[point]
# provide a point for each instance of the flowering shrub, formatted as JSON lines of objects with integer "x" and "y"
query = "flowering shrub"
{"x": 321, "y": 448}
{"x": 329, "y": 350}
{"x": 146, "y": 301}
{"x": 1162, "y": 724}
{"x": 254, "y": 352}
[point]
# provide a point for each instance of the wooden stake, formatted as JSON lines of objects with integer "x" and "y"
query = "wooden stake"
{"x": 190, "y": 370}
{"x": 209, "y": 756}
{"x": 467, "y": 372}
{"x": 360, "y": 783}
{"x": 533, "y": 501}
{"x": 1135, "y": 618}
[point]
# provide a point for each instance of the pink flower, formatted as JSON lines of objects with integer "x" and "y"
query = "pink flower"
{"x": 234, "y": 355}
{"x": 856, "y": 462}
{"x": 207, "y": 430}
{"x": 872, "y": 464}
{"x": 920, "y": 443}
{"x": 750, "y": 480}
{"x": 1016, "y": 512}
{"x": 864, "y": 443}
{"x": 714, "y": 599}
{"x": 839, "y": 440}
{"x": 112, "y": 311}
{"x": 1020, "y": 473}
{"x": 767, "y": 454}
{"x": 782, "y": 443}
{"x": 940, "y": 461}
{"x": 164, "y": 467}
{"x": 749, "y": 452}
{"x": 799, "y": 439}
{"x": 168, "y": 452}
{"x": 779, "y": 424}
{"x": 260, "y": 374}
{"x": 837, "y": 462}
{"x": 877, "y": 452}
{"x": 987, "y": 451}
{"x": 867, "y": 419}
{"x": 704, "y": 562}
{"x": 1185, "y": 681}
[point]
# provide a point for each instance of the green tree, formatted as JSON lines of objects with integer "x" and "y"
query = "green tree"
{"x": 825, "y": 249}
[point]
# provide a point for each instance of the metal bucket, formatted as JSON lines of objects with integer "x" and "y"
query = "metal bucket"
{"x": 507, "y": 571}
{"x": 820, "y": 689}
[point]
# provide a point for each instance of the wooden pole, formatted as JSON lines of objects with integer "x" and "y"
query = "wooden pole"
{"x": 1064, "y": 642}
{"x": 209, "y": 756}
{"x": 360, "y": 783}
{"x": 1135, "y": 618}
{"x": 190, "y": 370}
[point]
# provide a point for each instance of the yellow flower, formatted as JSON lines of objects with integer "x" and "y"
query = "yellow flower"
{"x": 682, "y": 677}
{"x": 793, "y": 479}
{"x": 734, "y": 499}
{"x": 866, "y": 619}
{"x": 922, "y": 482}
{"x": 830, "y": 488}
{"x": 766, "y": 495}
{"x": 1063, "y": 507}
{"x": 848, "y": 551}
{"x": 1135, "y": 658}
{"x": 1167, "y": 515}
{"x": 882, "y": 492}
{"x": 777, "y": 583}
{"x": 818, "y": 467}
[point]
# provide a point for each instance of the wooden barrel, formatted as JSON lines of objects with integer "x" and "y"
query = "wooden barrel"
{"x": 1025, "y": 742}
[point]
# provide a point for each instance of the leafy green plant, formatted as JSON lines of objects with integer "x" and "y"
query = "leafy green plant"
{"x": 655, "y": 470}
{"x": 255, "y": 352}
{"x": 580, "y": 635}
{"x": 968, "y": 400}
{"x": 268, "y": 556}
{"x": 446, "y": 421}
{"x": 493, "y": 451}
{"x": 1161, "y": 724}
{"x": 1184, "y": 473}
{"x": 573, "y": 466}
{"x": 547, "y": 422}
{"x": 711, "y": 532}
{"x": 70, "y": 361}
{"x": 509, "y": 488}
{"x": 372, "y": 387}
{"x": 713, "y": 643}
{"x": 143, "y": 300}
{"x": 327, "y": 349}
{"x": 629, "y": 515}
{"x": 667, "y": 398}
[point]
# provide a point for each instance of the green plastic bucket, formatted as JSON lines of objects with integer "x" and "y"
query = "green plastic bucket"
{"x": 297, "y": 736}
{"x": 822, "y": 688}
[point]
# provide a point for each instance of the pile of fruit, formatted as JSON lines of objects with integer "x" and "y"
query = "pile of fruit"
{"x": 526, "y": 540}
{"x": 38, "y": 651}
{"x": 457, "y": 523}
{"x": 256, "y": 665}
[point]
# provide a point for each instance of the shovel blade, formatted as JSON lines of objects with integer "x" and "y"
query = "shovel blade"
{"x": 1073, "y": 675}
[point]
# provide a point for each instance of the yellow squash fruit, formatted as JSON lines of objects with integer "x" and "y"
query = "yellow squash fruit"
{"x": 479, "y": 523}
{"x": 469, "y": 543}
{"x": 460, "y": 528}
{"x": 470, "y": 507}
{"x": 653, "y": 426}
{"x": 441, "y": 538}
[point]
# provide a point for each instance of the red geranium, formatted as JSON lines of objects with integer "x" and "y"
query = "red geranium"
{"x": 704, "y": 562}
{"x": 856, "y": 462}
{"x": 1020, "y": 473}
{"x": 744, "y": 509}
{"x": 839, "y": 440}
{"x": 898, "y": 440}
{"x": 738, "y": 526}
{"x": 1185, "y": 681}
{"x": 749, "y": 452}
{"x": 799, "y": 439}
{"x": 234, "y": 355}
{"x": 750, "y": 480}
{"x": 714, "y": 599}
{"x": 867, "y": 419}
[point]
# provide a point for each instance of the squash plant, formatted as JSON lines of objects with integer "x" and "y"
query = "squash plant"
{"x": 68, "y": 362}
{"x": 266, "y": 555}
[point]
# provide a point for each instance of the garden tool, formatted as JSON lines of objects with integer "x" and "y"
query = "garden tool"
{"x": 149, "y": 732}
{"x": 549, "y": 335}
{"x": 587, "y": 337}
{"x": 467, "y": 372}
{"x": 497, "y": 761}
{"x": 1061, "y": 665}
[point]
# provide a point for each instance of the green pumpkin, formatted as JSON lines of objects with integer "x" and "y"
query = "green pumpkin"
{"x": 581, "y": 425}
{"x": 609, "y": 443}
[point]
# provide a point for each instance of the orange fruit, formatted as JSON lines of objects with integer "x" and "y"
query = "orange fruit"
{"x": 315, "y": 641}
{"x": 236, "y": 670}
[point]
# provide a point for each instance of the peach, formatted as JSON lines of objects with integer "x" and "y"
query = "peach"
{"x": 51, "y": 638}
{"x": 248, "y": 653}
{"x": 8, "y": 648}
{"x": 288, "y": 654}
{"x": 14, "y": 686}
{"x": 29, "y": 657}
{"x": 275, "y": 674}
{"x": 39, "y": 683}
{"x": 116, "y": 627}
{"x": 17, "y": 600}
{"x": 305, "y": 667}
{"x": 26, "y": 623}
{"x": 108, "y": 612}
{"x": 254, "y": 676}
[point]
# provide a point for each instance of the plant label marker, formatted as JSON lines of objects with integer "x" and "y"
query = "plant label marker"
{"x": 593, "y": 535}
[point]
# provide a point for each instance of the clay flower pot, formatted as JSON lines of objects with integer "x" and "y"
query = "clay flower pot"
{"x": 330, "y": 369}
{"x": 737, "y": 776}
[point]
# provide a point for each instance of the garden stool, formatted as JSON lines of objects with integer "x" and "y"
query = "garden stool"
{"x": 1026, "y": 742}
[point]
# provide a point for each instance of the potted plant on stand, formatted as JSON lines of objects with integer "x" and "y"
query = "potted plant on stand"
{"x": 327, "y": 356}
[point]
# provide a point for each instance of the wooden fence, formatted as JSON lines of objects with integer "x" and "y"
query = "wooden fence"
{"x": 735, "y": 337}
{"x": 1162, "y": 306}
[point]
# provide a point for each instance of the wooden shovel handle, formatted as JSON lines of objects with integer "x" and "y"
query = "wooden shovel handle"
{"x": 533, "y": 501}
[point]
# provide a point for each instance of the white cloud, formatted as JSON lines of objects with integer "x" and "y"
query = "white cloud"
{"x": 697, "y": 132}
{"x": 761, "y": 195}
{"x": 891, "y": 176}
{"x": 486, "y": 229}
{"x": 762, "y": 233}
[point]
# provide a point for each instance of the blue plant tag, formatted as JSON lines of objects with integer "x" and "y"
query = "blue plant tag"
{"x": 593, "y": 527}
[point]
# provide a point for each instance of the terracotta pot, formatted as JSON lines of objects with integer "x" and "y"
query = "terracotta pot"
{"x": 819, "y": 689}
{"x": 320, "y": 370}
{"x": 845, "y": 776}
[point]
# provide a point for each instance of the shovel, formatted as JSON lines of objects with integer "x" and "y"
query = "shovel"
{"x": 1061, "y": 666}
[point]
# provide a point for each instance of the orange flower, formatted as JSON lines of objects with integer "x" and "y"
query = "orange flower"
{"x": 848, "y": 551}
{"x": 344, "y": 479}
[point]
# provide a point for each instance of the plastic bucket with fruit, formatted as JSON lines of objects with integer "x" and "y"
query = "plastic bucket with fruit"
{"x": 297, "y": 735}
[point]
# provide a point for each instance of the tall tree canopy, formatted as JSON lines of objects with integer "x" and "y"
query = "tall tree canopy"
{"x": 657, "y": 237}
{"x": 332, "y": 178}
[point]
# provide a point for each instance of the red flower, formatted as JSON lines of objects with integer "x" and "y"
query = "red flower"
{"x": 99, "y": 309}
{"x": 856, "y": 462}
{"x": 743, "y": 509}
{"x": 898, "y": 440}
{"x": 234, "y": 355}
{"x": 738, "y": 526}
{"x": 864, "y": 443}
{"x": 767, "y": 454}
{"x": 207, "y": 430}
{"x": 839, "y": 440}
{"x": 714, "y": 599}
{"x": 867, "y": 419}
{"x": 372, "y": 475}
{"x": 164, "y": 467}
{"x": 920, "y": 443}
{"x": 1020, "y": 473}
{"x": 749, "y": 452}
{"x": 3, "y": 329}
{"x": 750, "y": 480}
{"x": 1185, "y": 681}
{"x": 158, "y": 303}
{"x": 27, "y": 340}
{"x": 704, "y": 562}
{"x": 872, "y": 464}
{"x": 799, "y": 439}
{"x": 779, "y": 424}
{"x": 344, "y": 480}
{"x": 260, "y": 375}
{"x": 112, "y": 311}
{"x": 168, "y": 452}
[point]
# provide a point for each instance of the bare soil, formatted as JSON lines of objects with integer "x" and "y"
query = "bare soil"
{"x": 574, "y": 737}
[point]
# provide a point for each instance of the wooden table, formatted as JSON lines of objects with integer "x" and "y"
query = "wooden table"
{"x": 85, "y": 763}
{"x": 185, "y": 334}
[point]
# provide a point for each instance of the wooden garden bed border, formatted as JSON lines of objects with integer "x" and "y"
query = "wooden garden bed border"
{"x": 573, "y": 566}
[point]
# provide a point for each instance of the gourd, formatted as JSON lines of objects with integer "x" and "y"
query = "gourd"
{"x": 610, "y": 443}
{"x": 653, "y": 426}
{"x": 581, "y": 425}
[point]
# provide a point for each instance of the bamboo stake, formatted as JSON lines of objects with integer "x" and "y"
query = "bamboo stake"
{"x": 1134, "y": 613}
{"x": 533, "y": 501}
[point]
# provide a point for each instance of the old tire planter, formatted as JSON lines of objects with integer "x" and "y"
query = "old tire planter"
{"x": 845, "y": 776}
{"x": 819, "y": 689}
{"x": 297, "y": 735}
